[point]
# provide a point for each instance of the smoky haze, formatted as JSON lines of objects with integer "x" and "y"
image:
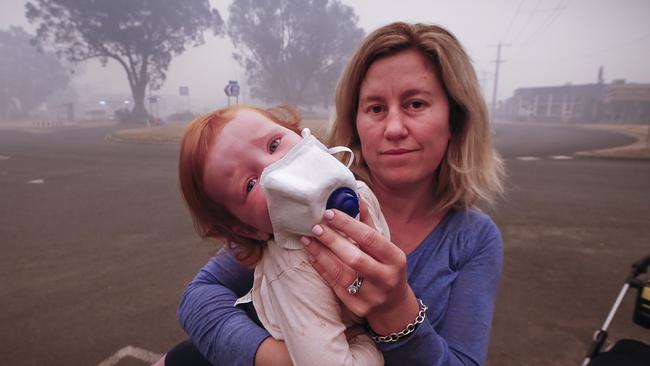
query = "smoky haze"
{"x": 97, "y": 245}
{"x": 545, "y": 43}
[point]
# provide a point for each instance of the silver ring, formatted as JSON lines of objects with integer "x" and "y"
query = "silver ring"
{"x": 356, "y": 285}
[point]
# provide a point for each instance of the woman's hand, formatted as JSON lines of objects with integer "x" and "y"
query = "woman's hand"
{"x": 385, "y": 298}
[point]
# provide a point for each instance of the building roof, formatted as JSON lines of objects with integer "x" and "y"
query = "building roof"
{"x": 596, "y": 90}
{"x": 628, "y": 92}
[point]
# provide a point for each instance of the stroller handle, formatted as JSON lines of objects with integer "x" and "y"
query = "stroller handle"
{"x": 638, "y": 268}
{"x": 633, "y": 280}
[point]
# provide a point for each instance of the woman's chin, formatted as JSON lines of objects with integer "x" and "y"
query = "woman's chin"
{"x": 401, "y": 179}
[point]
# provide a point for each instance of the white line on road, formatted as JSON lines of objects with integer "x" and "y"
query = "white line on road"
{"x": 130, "y": 351}
{"x": 2, "y": 157}
{"x": 527, "y": 158}
{"x": 35, "y": 181}
{"x": 561, "y": 157}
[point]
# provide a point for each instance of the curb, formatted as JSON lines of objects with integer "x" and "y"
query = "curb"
{"x": 638, "y": 150}
{"x": 170, "y": 134}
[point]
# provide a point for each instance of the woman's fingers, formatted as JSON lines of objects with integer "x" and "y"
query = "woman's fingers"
{"x": 364, "y": 215}
{"x": 347, "y": 252}
{"x": 328, "y": 265}
{"x": 339, "y": 276}
{"x": 369, "y": 240}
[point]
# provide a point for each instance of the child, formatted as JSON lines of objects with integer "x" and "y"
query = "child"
{"x": 222, "y": 158}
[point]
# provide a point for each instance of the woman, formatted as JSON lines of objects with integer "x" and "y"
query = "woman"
{"x": 410, "y": 107}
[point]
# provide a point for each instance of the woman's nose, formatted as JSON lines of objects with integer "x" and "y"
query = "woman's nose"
{"x": 395, "y": 125}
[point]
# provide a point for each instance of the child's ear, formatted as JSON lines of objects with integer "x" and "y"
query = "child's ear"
{"x": 250, "y": 232}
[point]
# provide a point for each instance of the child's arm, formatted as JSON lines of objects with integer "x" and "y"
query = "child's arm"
{"x": 308, "y": 313}
{"x": 309, "y": 319}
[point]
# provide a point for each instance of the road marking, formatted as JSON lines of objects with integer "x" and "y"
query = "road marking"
{"x": 527, "y": 158}
{"x": 47, "y": 124}
{"x": 2, "y": 157}
{"x": 130, "y": 351}
{"x": 561, "y": 157}
{"x": 35, "y": 181}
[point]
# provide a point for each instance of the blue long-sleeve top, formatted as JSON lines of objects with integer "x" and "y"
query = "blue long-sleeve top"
{"x": 455, "y": 271}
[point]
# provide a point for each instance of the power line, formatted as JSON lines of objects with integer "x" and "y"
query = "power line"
{"x": 553, "y": 16}
{"x": 579, "y": 57}
{"x": 512, "y": 21}
{"x": 531, "y": 14}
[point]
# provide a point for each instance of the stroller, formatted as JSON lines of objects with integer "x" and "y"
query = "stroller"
{"x": 625, "y": 352}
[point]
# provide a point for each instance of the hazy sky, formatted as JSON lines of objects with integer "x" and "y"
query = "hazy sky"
{"x": 552, "y": 42}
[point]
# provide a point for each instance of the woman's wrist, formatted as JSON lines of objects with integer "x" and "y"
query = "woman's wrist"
{"x": 405, "y": 332}
{"x": 396, "y": 317}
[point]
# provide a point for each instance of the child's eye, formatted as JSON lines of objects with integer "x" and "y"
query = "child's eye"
{"x": 274, "y": 145}
{"x": 250, "y": 185}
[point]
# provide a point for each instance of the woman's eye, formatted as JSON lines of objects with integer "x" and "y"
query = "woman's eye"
{"x": 274, "y": 145}
{"x": 250, "y": 185}
{"x": 417, "y": 104}
{"x": 376, "y": 109}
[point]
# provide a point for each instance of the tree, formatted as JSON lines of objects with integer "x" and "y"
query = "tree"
{"x": 141, "y": 35}
{"x": 27, "y": 76}
{"x": 293, "y": 50}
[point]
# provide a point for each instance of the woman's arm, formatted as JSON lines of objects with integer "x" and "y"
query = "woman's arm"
{"x": 386, "y": 298}
{"x": 465, "y": 327}
{"x": 461, "y": 335}
{"x": 224, "y": 334}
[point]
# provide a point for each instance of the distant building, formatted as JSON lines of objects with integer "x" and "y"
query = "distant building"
{"x": 618, "y": 102}
{"x": 626, "y": 102}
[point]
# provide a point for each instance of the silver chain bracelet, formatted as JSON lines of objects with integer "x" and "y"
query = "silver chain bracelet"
{"x": 410, "y": 328}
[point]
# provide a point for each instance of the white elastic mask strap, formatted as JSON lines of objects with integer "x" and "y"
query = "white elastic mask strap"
{"x": 338, "y": 149}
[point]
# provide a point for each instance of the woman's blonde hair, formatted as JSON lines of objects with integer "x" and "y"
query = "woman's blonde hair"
{"x": 471, "y": 170}
{"x": 211, "y": 219}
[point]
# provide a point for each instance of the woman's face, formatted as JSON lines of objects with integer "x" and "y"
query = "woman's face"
{"x": 403, "y": 120}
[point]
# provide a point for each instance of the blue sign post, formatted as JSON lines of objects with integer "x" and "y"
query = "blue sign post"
{"x": 232, "y": 90}
{"x": 184, "y": 91}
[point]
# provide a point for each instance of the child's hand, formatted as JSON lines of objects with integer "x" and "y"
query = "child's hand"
{"x": 354, "y": 331}
{"x": 247, "y": 256}
{"x": 272, "y": 352}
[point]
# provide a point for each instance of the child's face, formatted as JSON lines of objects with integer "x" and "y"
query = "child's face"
{"x": 245, "y": 146}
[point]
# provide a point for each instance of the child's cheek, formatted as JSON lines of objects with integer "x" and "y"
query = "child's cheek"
{"x": 259, "y": 201}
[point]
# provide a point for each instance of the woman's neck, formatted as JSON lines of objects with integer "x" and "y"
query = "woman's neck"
{"x": 409, "y": 212}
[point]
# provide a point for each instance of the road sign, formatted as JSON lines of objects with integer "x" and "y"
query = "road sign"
{"x": 232, "y": 89}
{"x": 184, "y": 90}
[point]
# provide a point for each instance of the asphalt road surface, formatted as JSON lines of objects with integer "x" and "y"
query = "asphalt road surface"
{"x": 96, "y": 246}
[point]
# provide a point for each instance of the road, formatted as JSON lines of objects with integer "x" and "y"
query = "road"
{"x": 97, "y": 246}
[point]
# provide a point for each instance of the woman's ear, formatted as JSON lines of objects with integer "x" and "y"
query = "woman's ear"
{"x": 250, "y": 232}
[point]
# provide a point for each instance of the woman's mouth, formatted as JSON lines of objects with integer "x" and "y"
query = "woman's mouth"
{"x": 399, "y": 151}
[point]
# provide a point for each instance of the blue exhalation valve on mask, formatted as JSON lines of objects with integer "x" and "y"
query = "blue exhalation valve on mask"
{"x": 344, "y": 199}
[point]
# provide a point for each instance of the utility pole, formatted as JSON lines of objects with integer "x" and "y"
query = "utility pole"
{"x": 498, "y": 61}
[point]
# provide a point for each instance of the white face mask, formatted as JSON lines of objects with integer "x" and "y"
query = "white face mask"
{"x": 298, "y": 187}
